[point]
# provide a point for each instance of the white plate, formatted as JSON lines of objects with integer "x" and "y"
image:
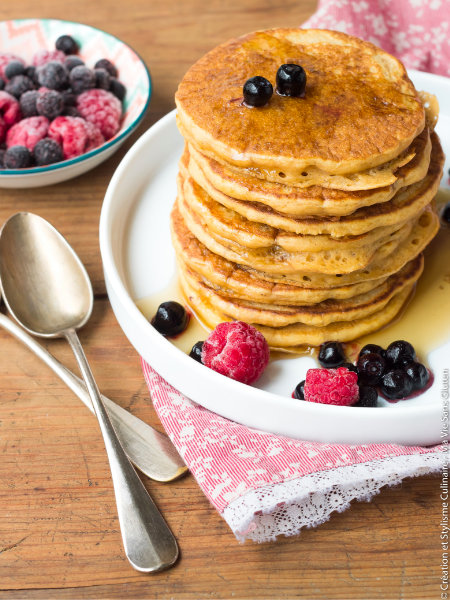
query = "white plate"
{"x": 138, "y": 261}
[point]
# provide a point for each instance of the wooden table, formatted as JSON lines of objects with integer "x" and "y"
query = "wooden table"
{"x": 59, "y": 533}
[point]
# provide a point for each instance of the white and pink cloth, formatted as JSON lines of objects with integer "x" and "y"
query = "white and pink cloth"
{"x": 266, "y": 485}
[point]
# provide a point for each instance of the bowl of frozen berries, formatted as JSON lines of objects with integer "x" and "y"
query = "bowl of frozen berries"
{"x": 70, "y": 95}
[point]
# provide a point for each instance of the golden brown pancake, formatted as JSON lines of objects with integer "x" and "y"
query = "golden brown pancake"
{"x": 360, "y": 109}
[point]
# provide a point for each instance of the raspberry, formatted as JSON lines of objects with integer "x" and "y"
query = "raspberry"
{"x": 28, "y": 103}
{"x": 42, "y": 57}
{"x": 27, "y": 132}
{"x": 236, "y": 350}
{"x": 70, "y": 133}
{"x": 9, "y": 108}
{"x": 95, "y": 137}
{"x": 50, "y": 104}
{"x": 331, "y": 386}
{"x": 47, "y": 152}
{"x": 81, "y": 79}
{"x": 5, "y": 59}
{"x": 101, "y": 108}
{"x": 53, "y": 75}
{"x": 17, "y": 157}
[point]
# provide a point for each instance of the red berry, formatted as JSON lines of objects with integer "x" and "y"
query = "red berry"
{"x": 27, "y": 132}
{"x": 331, "y": 386}
{"x": 102, "y": 109}
{"x": 236, "y": 350}
{"x": 9, "y": 108}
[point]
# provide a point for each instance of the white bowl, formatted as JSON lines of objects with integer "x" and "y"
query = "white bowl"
{"x": 24, "y": 37}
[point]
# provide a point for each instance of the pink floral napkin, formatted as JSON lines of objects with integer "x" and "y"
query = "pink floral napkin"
{"x": 266, "y": 485}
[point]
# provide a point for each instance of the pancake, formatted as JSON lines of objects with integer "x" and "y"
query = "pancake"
{"x": 407, "y": 203}
{"x": 275, "y": 259}
{"x": 220, "y": 182}
{"x": 360, "y": 110}
{"x": 292, "y": 336}
{"x": 319, "y": 315}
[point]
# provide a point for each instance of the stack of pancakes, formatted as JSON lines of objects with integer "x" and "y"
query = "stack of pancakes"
{"x": 306, "y": 217}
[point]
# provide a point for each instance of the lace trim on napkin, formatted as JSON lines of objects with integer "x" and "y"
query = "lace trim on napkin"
{"x": 283, "y": 509}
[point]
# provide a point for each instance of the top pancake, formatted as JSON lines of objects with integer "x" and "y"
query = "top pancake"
{"x": 360, "y": 109}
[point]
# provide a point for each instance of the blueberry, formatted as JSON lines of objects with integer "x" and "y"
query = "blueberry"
{"x": 445, "y": 215}
{"x": 18, "y": 85}
{"x": 66, "y": 44}
{"x": 102, "y": 79}
{"x": 291, "y": 80}
{"x": 350, "y": 367}
{"x": 15, "y": 67}
{"x": 28, "y": 103}
{"x": 418, "y": 373}
{"x": 170, "y": 319}
{"x": 398, "y": 351}
{"x": 257, "y": 91}
{"x": 299, "y": 392}
{"x": 2, "y": 84}
{"x": 69, "y": 98}
{"x": 331, "y": 355}
{"x": 106, "y": 64}
{"x": 396, "y": 384}
{"x": 17, "y": 157}
{"x": 368, "y": 396}
{"x": 47, "y": 152}
{"x": 196, "y": 351}
{"x": 117, "y": 88}
{"x": 50, "y": 104}
{"x": 31, "y": 73}
{"x": 72, "y": 61}
{"x": 81, "y": 79}
{"x": 53, "y": 75}
{"x": 371, "y": 367}
{"x": 373, "y": 349}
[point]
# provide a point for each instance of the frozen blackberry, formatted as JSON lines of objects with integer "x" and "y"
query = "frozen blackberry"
{"x": 102, "y": 79}
{"x": 299, "y": 392}
{"x": 373, "y": 349}
{"x": 371, "y": 367}
{"x": 53, "y": 75}
{"x": 28, "y": 103}
{"x": 81, "y": 79}
{"x": 47, "y": 152}
{"x": 66, "y": 44}
{"x": 18, "y": 85}
{"x": 117, "y": 88}
{"x": 15, "y": 67}
{"x": 106, "y": 64}
{"x": 400, "y": 351}
{"x": 368, "y": 396}
{"x": 419, "y": 374}
{"x": 2, "y": 84}
{"x": 170, "y": 319}
{"x": 31, "y": 73}
{"x": 396, "y": 384}
{"x": 72, "y": 61}
{"x": 196, "y": 352}
{"x": 257, "y": 91}
{"x": 17, "y": 157}
{"x": 331, "y": 355}
{"x": 50, "y": 104}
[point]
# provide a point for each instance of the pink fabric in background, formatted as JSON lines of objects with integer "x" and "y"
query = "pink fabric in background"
{"x": 415, "y": 31}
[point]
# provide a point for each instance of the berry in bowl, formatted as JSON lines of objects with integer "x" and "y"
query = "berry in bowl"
{"x": 70, "y": 95}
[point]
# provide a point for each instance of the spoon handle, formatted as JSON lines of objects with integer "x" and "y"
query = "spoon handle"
{"x": 148, "y": 542}
{"x": 150, "y": 451}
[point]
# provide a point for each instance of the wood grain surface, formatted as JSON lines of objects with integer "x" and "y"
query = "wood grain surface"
{"x": 59, "y": 533}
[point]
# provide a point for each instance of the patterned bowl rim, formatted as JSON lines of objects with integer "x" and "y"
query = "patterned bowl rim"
{"x": 72, "y": 161}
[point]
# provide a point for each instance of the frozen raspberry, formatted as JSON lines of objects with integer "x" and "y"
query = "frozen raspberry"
{"x": 3, "y": 130}
{"x": 17, "y": 157}
{"x": 82, "y": 79}
{"x": 95, "y": 137}
{"x": 28, "y": 103}
{"x": 47, "y": 152}
{"x": 101, "y": 108}
{"x": 27, "y": 132}
{"x": 236, "y": 350}
{"x": 42, "y": 57}
{"x": 331, "y": 386}
{"x": 53, "y": 75}
{"x": 9, "y": 108}
{"x": 5, "y": 59}
{"x": 106, "y": 64}
{"x": 50, "y": 104}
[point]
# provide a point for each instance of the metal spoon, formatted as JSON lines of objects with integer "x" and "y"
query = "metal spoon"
{"x": 150, "y": 451}
{"x": 48, "y": 291}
